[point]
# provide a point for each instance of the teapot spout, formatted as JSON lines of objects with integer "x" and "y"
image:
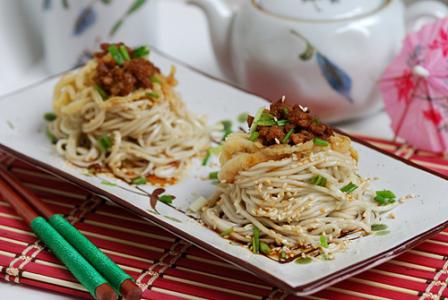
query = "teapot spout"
{"x": 220, "y": 18}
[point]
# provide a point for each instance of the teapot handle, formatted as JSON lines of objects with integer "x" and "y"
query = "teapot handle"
{"x": 422, "y": 12}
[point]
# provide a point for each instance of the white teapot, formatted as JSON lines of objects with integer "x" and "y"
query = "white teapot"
{"x": 325, "y": 54}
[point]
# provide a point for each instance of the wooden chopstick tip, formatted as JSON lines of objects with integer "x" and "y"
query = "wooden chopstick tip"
{"x": 105, "y": 292}
{"x": 130, "y": 291}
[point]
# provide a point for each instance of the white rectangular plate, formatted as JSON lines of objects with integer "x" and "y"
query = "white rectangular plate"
{"x": 22, "y": 133}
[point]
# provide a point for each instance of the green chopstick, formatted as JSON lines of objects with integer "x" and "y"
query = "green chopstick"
{"x": 114, "y": 274}
{"x": 86, "y": 274}
{"x": 122, "y": 283}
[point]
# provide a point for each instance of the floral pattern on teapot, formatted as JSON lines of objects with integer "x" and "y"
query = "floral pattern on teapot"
{"x": 74, "y": 28}
{"x": 343, "y": 48}
{"x": 336, "y": 77}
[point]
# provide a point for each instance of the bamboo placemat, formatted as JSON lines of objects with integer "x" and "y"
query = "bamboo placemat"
{"x": 168, "y": 268}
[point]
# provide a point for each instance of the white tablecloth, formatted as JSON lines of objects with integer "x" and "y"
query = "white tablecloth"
{"x": 183, "y": 34}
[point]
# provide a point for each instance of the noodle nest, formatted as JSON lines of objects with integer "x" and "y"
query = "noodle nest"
{"x": 270, "y": 188}
{"x": 150, "y": 132}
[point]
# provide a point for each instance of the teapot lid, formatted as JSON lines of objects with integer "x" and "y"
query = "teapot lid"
{"x": 320, "y": 9}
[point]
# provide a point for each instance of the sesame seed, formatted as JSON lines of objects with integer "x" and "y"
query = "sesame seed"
{"x": 391, "y": 216}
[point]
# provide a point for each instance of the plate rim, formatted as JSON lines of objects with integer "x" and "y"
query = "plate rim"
{"x": 304, "y": 289}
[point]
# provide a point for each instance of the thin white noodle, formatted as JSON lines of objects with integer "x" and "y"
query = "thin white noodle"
{"x": 150, "y": 136}
{"x": 277, "y": 198}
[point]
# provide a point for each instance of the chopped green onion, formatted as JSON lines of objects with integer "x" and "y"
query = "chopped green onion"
{"x": 105, "y": 182}
{"x": 105, "y": 143}
{"x": 303, "y": 260}
{"x": 139, "y": 180}
{"x": 320, "y": 142}
{"x": 378, "y": 227}
{"x": 124, "y": 52}
{"x": 256, "y": 240}
{"x": 53, "y": 139}
{"x": 282, "y": 122}
{"x": 226, "y": 232}
{"x": 323, "y": 241}
{"x": 266, "y": 122}
{"x": 283, "y": 254}
{"x": 285, "y": 140}
{"x": 257, "y": 117}
{"x": 141, "y": 51}
{"x": 254, "y": 136}
{"x": 101, "y": 91}
{"x": 152, "y": 95}
{"x": 227, "y": 124}
{"x": 227, "y": 128}
{"x": 315, "y": 121}
{"x": 349, "y": 188}
{"x": 213, "y": 175}
{"x": 210, "y": 152}
{"x": 226, "y": 134}
{"x": 266, "y": 116}
{"x": 318, "y": 180}
{"x": 50, "y": 116}
{"x": 242, "y": 117}
{"x": 154, "y": 79}
{"x": 116, "y": 55}
{"x": 264, "y": 248}
{"x": 206, "y": 158}
{"x": 285, "y": 111}
{"x": 385, "y": 197}
{"x": 386, "y": 194}
{"x": 167, "y": 199}
{"x": 383, "y": 201}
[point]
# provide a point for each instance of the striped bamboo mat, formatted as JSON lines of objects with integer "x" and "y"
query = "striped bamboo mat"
{"x": 169, "y": 268}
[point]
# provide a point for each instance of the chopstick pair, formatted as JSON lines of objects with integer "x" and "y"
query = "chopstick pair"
{"x": 94, "y": 270}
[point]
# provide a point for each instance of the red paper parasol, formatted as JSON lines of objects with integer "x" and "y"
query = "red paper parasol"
{"x": 415, "y": 88}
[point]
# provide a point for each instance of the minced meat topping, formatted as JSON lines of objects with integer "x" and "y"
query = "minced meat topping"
{"x": 286, "y": 124}
{"x": 121, "y": 70}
